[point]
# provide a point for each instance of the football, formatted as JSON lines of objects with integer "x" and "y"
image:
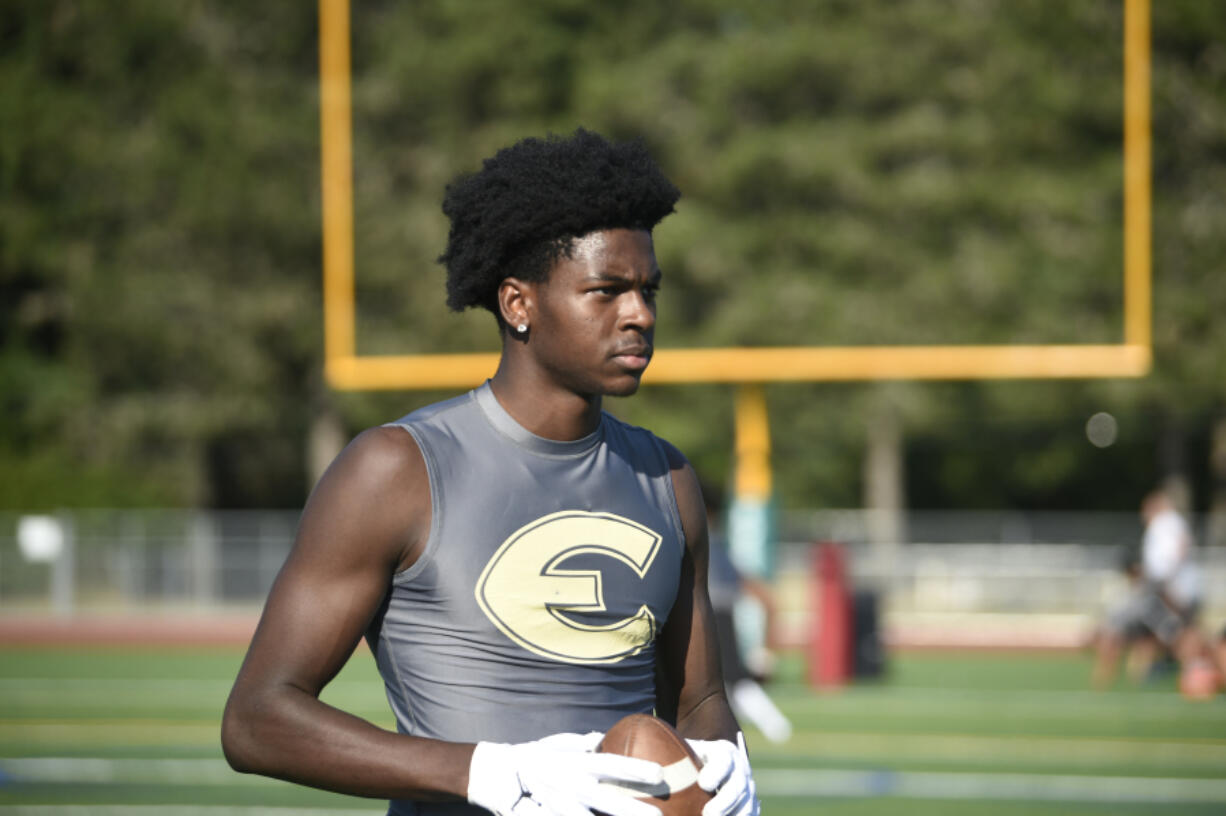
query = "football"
{"x": 647, "y": 737}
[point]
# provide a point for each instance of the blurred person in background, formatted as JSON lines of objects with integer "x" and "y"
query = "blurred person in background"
{"x": 1162, "y": 608}
{"x": 1168, "y": 556}
{"x": 728, "y": 585}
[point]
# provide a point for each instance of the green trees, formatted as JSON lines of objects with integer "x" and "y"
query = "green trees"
{"x": 160, "y": 248}
{"x": 942, "y": 171}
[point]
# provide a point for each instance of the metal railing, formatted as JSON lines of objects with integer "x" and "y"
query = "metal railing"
{"x": 953, "y": 563}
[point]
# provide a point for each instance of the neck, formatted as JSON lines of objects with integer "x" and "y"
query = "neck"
{"x": 542, "y": 407}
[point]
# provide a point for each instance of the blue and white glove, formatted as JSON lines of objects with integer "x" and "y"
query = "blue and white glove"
{"x": 559, "y": 775}
{"x": 725, "y": 772}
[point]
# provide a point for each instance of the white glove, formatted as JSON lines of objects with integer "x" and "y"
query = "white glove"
{"x": 559, "y": 775}
{"x": 725, "y": 772}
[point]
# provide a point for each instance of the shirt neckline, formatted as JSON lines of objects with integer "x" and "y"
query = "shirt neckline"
{"x": 505, "y": 424}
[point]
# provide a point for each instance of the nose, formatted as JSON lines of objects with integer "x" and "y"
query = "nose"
{"x": 640, "y": 313}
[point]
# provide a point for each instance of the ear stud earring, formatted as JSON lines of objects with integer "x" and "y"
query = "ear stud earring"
{"x": 521, "y": 328}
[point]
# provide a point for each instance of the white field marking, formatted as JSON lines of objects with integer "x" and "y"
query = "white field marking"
{"x": 121, "y": 683}
{"x": 113, "y": 685}
{"x": 783, "y": 782}
{"x": 1195, "y": 752}
{"x": 127, "y": 771}
{"x": 178, "y": 810}
{"x": 49, "y": 736}
{"x": 110, "y": 732}
{"x": 795, "y": 782}
{"x": 139, "y": 688}
{"x": 1147, "y": 706}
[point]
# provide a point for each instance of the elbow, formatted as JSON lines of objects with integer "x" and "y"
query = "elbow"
{"x": 238, "y": 740}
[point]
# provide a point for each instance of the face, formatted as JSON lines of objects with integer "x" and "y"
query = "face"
{"x": 593, "y": 318}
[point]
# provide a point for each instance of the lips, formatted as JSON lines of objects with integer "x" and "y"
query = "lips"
{"x": 633, "y": 356}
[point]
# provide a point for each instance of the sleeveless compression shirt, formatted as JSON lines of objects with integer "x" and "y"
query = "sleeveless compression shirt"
{"x": 549, "y": 570}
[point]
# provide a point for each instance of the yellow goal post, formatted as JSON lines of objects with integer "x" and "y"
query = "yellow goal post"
{"x": 345, "y": 369}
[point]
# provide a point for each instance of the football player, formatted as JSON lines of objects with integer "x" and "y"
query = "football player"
{"x": 526, "y": 568}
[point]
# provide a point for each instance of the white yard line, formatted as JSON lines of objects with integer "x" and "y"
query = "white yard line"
{"x": 1026, "y": 747}
{"x": 180, "y": 810}
{"x": 125, "y": 771}
{"x": 1083, "y": 704}
{"x": 998, "y": 786}
{"x": 784, "y": 782}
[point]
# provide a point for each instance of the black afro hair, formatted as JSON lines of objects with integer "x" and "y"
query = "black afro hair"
{"x": 524, "y": 208}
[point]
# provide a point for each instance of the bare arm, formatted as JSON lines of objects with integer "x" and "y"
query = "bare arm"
{"x": 691, "y": 683}
{"x": 368, "y": 517}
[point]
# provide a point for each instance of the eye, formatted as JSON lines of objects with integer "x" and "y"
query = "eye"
{"x": 650, "y": 290}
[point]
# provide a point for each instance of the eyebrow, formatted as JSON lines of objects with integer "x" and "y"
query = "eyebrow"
{"x": 613, "y": 277}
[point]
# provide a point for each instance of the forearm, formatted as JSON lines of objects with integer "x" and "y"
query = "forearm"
{"x": 709, "y": 717}
{"x": 289, "y": 734}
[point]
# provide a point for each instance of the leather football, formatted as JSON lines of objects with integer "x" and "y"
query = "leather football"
{"x": 647, "y": 737}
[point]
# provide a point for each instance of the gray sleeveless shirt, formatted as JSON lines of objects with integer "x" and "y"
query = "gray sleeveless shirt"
{"x": 549, "y": 570}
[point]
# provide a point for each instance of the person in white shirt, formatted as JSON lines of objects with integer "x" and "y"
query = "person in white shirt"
{"x": 1162, "y": 608}
{"x": 1167, "y": 556}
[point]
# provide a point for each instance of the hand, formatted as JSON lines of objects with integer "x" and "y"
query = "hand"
{"x": 559, "y": 775}
{"x": 725, "y": 772}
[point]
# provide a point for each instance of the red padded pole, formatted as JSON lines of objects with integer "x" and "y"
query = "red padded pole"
{"x": 830, "y": 630}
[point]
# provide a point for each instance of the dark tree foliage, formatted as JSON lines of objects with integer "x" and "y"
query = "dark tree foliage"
{"x": 932, "y": 171}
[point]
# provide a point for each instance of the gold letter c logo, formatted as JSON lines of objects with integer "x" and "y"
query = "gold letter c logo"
{"x": 525, "y": 592}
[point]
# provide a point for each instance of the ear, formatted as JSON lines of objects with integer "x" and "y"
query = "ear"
{"x": 515, "y": 301}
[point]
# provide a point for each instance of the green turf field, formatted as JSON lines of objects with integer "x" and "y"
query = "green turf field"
{"x": 106, "y": 731}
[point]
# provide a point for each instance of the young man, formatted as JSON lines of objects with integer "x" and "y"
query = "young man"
{"x": 526, "y": 568}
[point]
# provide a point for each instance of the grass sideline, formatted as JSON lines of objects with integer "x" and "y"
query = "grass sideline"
{"x": 131, "y": 730}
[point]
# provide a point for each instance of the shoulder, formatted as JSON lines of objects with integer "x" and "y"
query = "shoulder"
{"x": 641, "y": 436}
{"x": 374, "y": 499}
{"x": 676, "y": 459}
{"x": 685, "y": 481}
{"x": 384, "y": 450}
{"x": 380, "y": 463}
{"x": 429, "y": 432}
{"x": 688, "y": 492}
